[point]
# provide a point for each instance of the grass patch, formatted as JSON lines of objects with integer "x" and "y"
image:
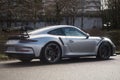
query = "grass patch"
{"x": 3, "y": 57}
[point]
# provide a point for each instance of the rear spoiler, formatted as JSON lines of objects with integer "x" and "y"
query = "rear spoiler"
{"x": 23, "y": 33}
{"x": 18, "y": 37}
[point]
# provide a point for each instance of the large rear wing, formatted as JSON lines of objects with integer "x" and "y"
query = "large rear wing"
{"x": 22, "y": 35}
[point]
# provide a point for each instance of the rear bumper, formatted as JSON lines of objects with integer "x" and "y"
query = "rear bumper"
{"x": 20, "y": 55}
{"x": 19, "y": 52}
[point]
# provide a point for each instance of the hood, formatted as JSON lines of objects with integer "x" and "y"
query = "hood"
{"x": 95, "y": 37}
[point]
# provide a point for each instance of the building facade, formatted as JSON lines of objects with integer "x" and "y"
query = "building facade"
{"x": 92, "y": 5}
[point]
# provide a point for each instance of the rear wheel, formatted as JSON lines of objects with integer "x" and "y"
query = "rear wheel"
{"x": 51, "y": 53}
{"x": 104, "y": 51}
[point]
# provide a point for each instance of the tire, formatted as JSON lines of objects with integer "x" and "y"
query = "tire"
{"x": 25, "y": 60}
{"x": 51, "y": 53}
{"x": 104, "y": 51}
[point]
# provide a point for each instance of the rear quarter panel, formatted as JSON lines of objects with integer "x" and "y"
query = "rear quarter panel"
{"x": 42, "y": 41}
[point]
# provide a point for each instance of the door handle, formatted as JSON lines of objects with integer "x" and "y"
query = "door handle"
{"x": 71, "y": 41}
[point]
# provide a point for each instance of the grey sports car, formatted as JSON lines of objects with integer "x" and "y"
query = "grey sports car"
{"x": 50, "y": 44}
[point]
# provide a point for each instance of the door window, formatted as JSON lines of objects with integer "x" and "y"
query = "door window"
{"x": 56, "y": 32}
{"x": 73, "y": 32}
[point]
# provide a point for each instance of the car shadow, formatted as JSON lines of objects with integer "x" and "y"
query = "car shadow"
{"x": 63, "y": 61}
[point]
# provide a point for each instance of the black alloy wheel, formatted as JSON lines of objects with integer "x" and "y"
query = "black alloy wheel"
{"x": 51, "y": 53}
{"x": 104, "y": 51}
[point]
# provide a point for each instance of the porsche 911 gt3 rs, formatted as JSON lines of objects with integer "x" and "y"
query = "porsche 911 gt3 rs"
{"x": 50, "y": 44}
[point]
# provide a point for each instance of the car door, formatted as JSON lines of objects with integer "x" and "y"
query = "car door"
{"x": 78, "y": 42}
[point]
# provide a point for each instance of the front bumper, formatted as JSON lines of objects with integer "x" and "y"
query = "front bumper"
{"x": 114, "y": 51}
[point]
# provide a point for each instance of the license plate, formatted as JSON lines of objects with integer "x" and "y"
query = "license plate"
{"x": 11, "y": 49}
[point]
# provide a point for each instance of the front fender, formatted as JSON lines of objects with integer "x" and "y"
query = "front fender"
{"x": 104, "y": 39}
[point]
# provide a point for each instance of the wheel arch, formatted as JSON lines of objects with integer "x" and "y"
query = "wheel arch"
{"x": 51, "y": 42}
{"x": 105, "y": 41}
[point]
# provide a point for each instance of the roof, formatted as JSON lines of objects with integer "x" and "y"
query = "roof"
{"x": 47, "y": 29}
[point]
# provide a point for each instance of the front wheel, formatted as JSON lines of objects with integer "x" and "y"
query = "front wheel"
{"x": 104, "y": 51}
{"x": 51, "y": 53}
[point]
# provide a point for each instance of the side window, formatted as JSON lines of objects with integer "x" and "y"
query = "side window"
{"x": 56, "y": 32}
{"x": 73, "y": 32}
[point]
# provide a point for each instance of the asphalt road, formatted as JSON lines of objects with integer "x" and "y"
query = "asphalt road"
{"x": 69, "y": 69}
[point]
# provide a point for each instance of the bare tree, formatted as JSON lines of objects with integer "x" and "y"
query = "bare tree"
{"x": 35, "y": 10}
{"x": 54, "y": 9}
{"x": 114, "y": 8}
{"x": 6, "y": 11}
{"x": 22, "y": 10}
{"x": 111, "y": 11}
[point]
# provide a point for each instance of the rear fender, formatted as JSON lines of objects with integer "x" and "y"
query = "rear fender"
{"x": 55, "y": 40}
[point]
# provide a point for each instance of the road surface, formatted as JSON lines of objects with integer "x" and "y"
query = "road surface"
{"x": 68, "y": 69}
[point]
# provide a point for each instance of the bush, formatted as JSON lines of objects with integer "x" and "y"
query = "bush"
{"x": 115, "y": 37}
